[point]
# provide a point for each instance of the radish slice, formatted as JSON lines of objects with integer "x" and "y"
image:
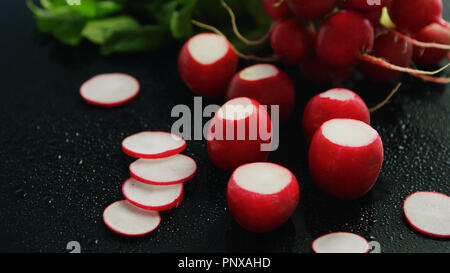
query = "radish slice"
{"x": 110, "y": 89}
{"x": 340, "y": 242}
{"x": 152, "y": 197}
{"x": 164, "y": 171}
{"x": 428, "y": 213}
{"x": 128, "y": 220}
{"x": 152, "y": 145}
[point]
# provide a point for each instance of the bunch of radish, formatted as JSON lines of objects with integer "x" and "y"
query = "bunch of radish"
{"x": 156, "y": 184}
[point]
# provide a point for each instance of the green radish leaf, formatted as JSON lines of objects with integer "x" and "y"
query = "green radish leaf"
{"x": 180, "y": 22}
{"x": 96, "y": 9}
{"x": 98, "y": 31}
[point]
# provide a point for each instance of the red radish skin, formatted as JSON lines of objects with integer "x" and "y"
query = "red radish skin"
{"x": 128, "y": 220}
{"x": 228, "y": 153}
{"x": 345, "y": 158}
{"x": 340, "y": 242}
{"x": 394, "y": 50}
{"x": 428, "y": 213}
{"x": 277, "y": 12}
{"x": 290, "y": 41}
{"x": 109, "y": 90}
{"x": 152, "y": 145}
{"x": 151, "y": 197}
{"x": 311, "y": 9}
{"x": 343, "y": 37}
{"x": 413, "y": 15}
{"x": 164, "y": 171}
{"x": 365, "y": 5}
{"x": 321, "y": 73}
{"x": 334, "y": 103}
{"x": 433, "y": 33}
{"x": 262, "y": 196}
{"x": 206, "y": 63}
{"x": 268, "y": 85}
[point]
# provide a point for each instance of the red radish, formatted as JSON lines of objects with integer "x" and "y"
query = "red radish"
{"x": 340, "y": 242}
{"x": 236, "y": 135}
{"x": 429, "y": 213}
{"x": 345, "y": 158}
{"x": 206, "y": 64}
{"x": 290, "y": 41}
{"x": 334, "y": 103}
{"x": 368, "y": 5}
{"x": 394, "y": 50}
{"x": 433, "y": 33}
{"x": 320, "y": 72}
{"x": 262, "y": 196}
{"x": 164, "y": 171}
{"x": 266, "y": 84}
{"x": 152, "y": 145}
{"x": 413, "y": 15}
{"x": 312, "y": 9}
{"x": 110, "y": 89}
{"x": 128, "y": 220}
{"x": 276, "y": 10}
{"x": 152, "y": 197}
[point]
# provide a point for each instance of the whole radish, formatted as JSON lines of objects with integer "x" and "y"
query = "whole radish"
{"x": 290, "y": 41}
{"x": 266, "y": 84}
{"x": 320, "y": 72}
{"x": 394, "y": 50}
{"x": 413, "y": 15}
{"x": 433, "y": 33}
{"x": 368, "y": 5}
{"x": 311, "y": 9}
{"x": 206, "y": 63}
{"x": 276, "y": 10}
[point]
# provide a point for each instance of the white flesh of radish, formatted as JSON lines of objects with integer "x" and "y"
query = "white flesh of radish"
{"x": 164, "y": 170}
{"x": 110, "y": 88}
{"x": 429, "y": 212}
{"x": 349, "y": 132}
{"x": 338, "y": 94}
{"x": 258, "y": 72}
{"x": 152, "y": 143}
{"x": 263, "y": 178}
{"x": 208, "y": 48}
{"x": 151, "y": 195}
{"x": 340, "y": 242}
{"x": 127, "y": 219}
{"x": 236, "y": 109}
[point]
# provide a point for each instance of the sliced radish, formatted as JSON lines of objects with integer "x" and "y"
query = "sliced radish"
{"x": 153, "y": 145}
{"x": 129, "y": 220}
{"x": 340, "y": 242}
{"x": 428, "y": 213}
{"x": 110, "y": 89}
{"x": 152, "y": 197}
{"x": 164, "y": 171}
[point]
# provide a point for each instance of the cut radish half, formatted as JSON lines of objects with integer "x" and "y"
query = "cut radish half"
{"x": 340, "y": 242}
{"x": 152, "y": 197}
{"x": 110, "y": 89}
{"x": 151, "y": 145}
{"x": 428, "y": 213}
{"x": 164, "y": 171}
{"x": 128, "y": 220}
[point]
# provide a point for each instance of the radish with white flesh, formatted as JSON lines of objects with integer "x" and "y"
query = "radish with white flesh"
{"x": 235, "y": 135}
{"x": 164, "y": 171}
{"x": 345, "y": 158}
{"x": 126, "y": 219}
{"x": 311, "y": 9}
{"x": 110, "y": 89}
{"x": 266, "y": 84}
{"x": 334, "y": 103}
{"x": 433, "y": 33}
{"x": 276, "y": 10}
{"x": 152, "y": 197}
{"x": 428, "y": 213}
{"x": 340, "y": 242}
{"x": 152, "y": 145}
{"x": 206, "y": 63}
{"x": 262, "y": 196}
{"x": 290, "y": 41}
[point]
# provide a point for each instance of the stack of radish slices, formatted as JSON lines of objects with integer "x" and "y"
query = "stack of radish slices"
{"x": 156, "y": 184}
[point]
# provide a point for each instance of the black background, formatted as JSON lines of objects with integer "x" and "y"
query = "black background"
{"x": 61, "y": 162}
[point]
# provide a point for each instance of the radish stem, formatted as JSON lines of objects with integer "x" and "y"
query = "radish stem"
{"x": 386, "y": 100}
{"x": 418, "y": 43}
{"x": 440, "y": 80}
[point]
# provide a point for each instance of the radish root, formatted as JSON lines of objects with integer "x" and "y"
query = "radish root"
{"x": 240, "y": 54}
{"x": 386, "y": 100}
{"x": 440, "y": 80}
{"x": 236, "y": 30}
{"x": 418, "y": 43}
